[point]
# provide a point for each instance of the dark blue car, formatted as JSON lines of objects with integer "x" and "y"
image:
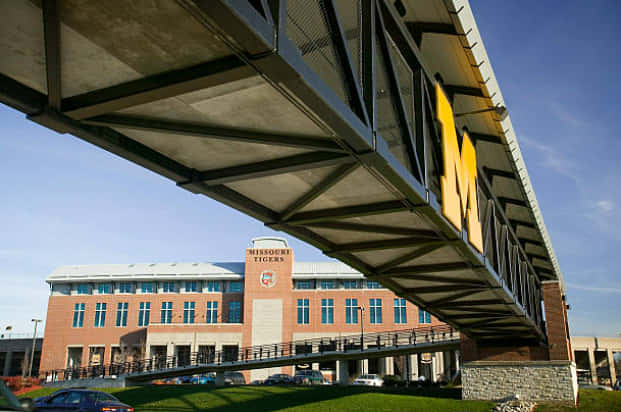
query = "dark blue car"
{"x": 80, "y": 400}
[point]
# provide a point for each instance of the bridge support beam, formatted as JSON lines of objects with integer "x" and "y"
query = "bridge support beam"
{"x": 342, "y": 370}
{"x": 506, "y": 368}
{"x": 220, "y": 378}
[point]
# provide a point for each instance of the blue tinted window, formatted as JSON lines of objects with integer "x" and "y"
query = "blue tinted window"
{"x": 375, "y": 311}
{"x": 78, "y": 315}
{"x": 188, "y": 312}
{"x": 234, "y": 312}
{"x": 303, "y": 311}
{"x": 144, "y": 313}
{"x": 400, "y": 311}
{"x": 351, "y": 311}
{"x": 212, "y": 312}
{"x": 327, "y": 311}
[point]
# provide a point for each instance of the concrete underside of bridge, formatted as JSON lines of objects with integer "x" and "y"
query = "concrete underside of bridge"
{"x": 316, "y": 118}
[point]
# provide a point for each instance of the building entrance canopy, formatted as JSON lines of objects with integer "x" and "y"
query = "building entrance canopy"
{"x": 324, "y": 119}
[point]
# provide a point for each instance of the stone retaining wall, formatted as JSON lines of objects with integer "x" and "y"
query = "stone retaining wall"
{"x": 529, "y": 380}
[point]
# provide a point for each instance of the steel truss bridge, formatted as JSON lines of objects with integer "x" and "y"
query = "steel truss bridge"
{"x": 315, "y": 117}
{"x": 363, "y": 346}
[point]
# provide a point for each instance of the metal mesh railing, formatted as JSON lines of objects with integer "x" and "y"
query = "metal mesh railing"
{"x": 295, "y": 350}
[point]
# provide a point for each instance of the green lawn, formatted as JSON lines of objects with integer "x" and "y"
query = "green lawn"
{"x": 185, "y": 398}
{"x": 590, "y": 400}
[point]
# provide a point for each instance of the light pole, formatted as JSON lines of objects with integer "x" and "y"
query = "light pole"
{"x": 361, "y": 309}
{"x": 34, "y": 341}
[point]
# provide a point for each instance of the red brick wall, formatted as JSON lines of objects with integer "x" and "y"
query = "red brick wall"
{"x": 556, "y": 322}
{"x": 472, "y": 351}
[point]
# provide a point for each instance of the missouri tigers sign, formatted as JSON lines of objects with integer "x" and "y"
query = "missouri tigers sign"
{"x": 459, "y": 184}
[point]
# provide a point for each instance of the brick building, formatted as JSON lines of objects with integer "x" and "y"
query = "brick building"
{"x": 111, "y": 313}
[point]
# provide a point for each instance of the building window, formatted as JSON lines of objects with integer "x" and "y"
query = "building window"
{"x": 352, "y": 284}
{"x": 303, "y": 312}
{"x": 121, "y": 314}
{"x": 105, "y": 288}
{"x": 351, "y": 311}
{"x": 305, "y": 284}
{"x": 168, "y": 287}
{"x": 235, "y": 286}
{"x": 400, "y": 314}
{"x": 328, "y": 284}
{"x": 144, "y": 313}
{"x": 125, "y": 287}
{"x": 146, "y": 287}
{"x": 100, "y": 315}
{"x": 83, "y": 289}
{"x": 213, "y": 286}
{"x": 191, "y": 286}
{"x": 212, "y": 312}
{"x": 375, "y": 311}
{"x": 234, "y": 312}
{"x": 78, "y": 315}
{"x": 188, "y": 312}
{"x": 372, "y": 284}
{"x": 423, "y": 316}
{"x": 166, "y": 312}
{"x": 327, "y": 311}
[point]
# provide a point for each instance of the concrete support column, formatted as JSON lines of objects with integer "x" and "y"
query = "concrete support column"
{"x": 434, "y": 368}
{"x": 7, "y": 364}
{"x": 364, "y": 366}
{"x": 457, "y": 360}
{"x": 390, "y": 365}
{"x": 342, "y": 372}
{"x": 413, "y": 367}
{"x": 220, "y": 378}
{"x": 592, "y": 365}
{"x": 611, "y": 366}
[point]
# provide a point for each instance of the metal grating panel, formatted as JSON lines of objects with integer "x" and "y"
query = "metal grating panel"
{"x": 388, "y": 124}
{"x": 350, "y": 15}
{"x": 307, "y": 27}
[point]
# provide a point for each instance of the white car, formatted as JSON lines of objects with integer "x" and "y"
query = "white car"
{"x": 369, "y": 380}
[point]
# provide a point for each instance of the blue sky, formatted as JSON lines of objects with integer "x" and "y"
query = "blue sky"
{"x": 67, "y": 202}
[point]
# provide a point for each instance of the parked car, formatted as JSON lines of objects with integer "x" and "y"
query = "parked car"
{"x": 234, "y": 378}
{"x": 200, "y": 380}
{"x": 308, "y": 377}
{"x": 393, "y": 380}
{"x": 80, "y": 399}
{"x": 368, "y": 380}
{"x": 278, "y": 379}
{"x": 8, "y": 401}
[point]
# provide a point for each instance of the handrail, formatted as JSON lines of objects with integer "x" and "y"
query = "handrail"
{"x": 276, "y": 351}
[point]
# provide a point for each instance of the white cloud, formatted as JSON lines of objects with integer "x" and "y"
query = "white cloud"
{"x": 592, "y": 288}
{"x": 605, "y": 206}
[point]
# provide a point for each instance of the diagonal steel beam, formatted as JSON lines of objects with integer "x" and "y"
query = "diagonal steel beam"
{"x": 344, "y": 57}
{"x": 491, "y": 173}
{"x": 20, "y": 97}
{"x": 265, "y": 168}
{"x": 388, "y": 230}
{"x": 51, "y": 30}
{"x": 447, "y": 288}
{"x": 402, "y": 113}
{"x": 337, "y": 213}
{"x": 470, "y": 303}
{"x": 330, "y": 181}
{"x": 441, "y": 301}
{"x": 425, "y": 250}
{"x": 156, "y": 87}
{"x": 213, "y": 132}
{"x": 481, "y": 137}
{"x": 384, "y": 245}
{"x": 453, "y": 89}
{"x": 436, "y": 268}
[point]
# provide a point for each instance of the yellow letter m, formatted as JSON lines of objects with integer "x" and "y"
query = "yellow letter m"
{"x": 459, "y": 189}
